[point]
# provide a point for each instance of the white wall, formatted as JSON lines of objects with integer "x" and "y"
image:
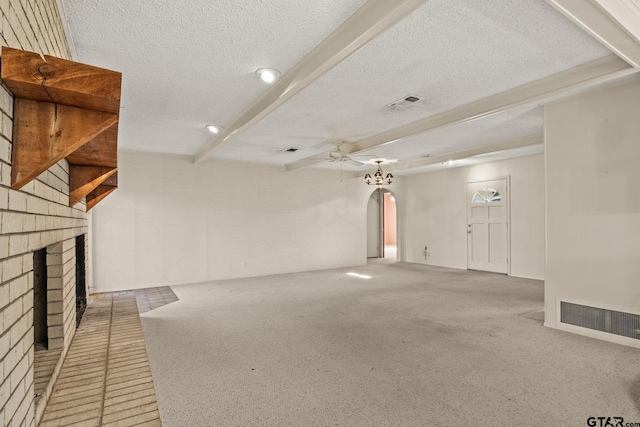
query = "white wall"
{"x": 172, "y": 221}
{"x": 592, "y": 154}
{"x": 435, "y": 214}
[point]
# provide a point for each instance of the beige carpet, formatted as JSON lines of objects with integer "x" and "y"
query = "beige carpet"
{"x": 412, "y": 346}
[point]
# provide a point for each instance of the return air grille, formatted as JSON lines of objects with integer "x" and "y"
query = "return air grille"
{"x": 405, "y": 102}
{"x": 600, "y": 319}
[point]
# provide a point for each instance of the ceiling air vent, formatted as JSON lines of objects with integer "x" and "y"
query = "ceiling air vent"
{"x": 404, "y": 103}
{"x": 290, "y": 150}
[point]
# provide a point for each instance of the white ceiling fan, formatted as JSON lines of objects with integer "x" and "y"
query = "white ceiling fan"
{"x": 341, "y": 154}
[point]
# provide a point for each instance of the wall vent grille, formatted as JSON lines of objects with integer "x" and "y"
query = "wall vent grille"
{"x": 600, "y": 319}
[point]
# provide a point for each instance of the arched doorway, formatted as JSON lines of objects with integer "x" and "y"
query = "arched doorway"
{"x": 382, "y": 226}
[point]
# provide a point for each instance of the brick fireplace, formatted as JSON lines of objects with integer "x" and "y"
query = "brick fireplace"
{"x": 35, "y": 218}
{"x": 58, "y": 158}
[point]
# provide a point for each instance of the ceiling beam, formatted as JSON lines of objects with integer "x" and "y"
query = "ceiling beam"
{"x": 612, "y": 23}
{"x": 372, "y": 19}
{"x": 469, "y": 152}
{"x": 580, "y": 77}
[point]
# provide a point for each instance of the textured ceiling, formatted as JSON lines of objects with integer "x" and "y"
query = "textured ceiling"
{"x": 191, "y": 63}
{"x": 449, "y": 52}
{"x": 474, "y": 160}
{"x": 515, "y": 123}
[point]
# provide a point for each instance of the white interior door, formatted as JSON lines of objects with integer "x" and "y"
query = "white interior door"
{"x": 488, "y": 226}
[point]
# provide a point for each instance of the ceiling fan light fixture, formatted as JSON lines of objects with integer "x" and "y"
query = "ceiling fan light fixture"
{"x": 268, "y": 75}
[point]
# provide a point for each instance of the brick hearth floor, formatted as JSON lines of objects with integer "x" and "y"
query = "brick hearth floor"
{"x": 151, "y": 298}
{"x": 105, "y": 379}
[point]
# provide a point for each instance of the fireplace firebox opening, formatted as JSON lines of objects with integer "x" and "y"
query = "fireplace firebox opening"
{"x": 40, "y": 325}
{"x": 81, "y": 286}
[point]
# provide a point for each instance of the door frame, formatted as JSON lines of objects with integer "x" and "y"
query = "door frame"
{"x": 379, "y": 235}
{"x": 507, "y": 178}
{"x": 399, "y": 238}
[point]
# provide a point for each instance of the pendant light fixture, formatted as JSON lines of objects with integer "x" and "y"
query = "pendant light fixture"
{"x": 377, "y": 178}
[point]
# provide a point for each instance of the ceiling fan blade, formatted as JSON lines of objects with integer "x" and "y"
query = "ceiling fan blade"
{"x": 356, "y": 163}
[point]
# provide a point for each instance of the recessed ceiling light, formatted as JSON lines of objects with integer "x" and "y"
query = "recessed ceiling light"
{"x": 426, "y": 156}
{"x": 268, "y": 75}
{"x": 214, "y": 128}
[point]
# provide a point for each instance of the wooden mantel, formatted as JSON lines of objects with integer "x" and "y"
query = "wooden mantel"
{"x": 63, "y": 109}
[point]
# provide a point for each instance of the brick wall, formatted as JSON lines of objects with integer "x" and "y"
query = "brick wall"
{"x": 35, "y": 217}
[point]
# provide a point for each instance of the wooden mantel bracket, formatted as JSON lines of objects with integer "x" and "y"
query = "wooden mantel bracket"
{"x": 100, "y": 151}
{"x": 84, "y": 179}
{"x": 45, "y": 133}
{"x": 107, "y": 187}
{"x": 63, "y": 109}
